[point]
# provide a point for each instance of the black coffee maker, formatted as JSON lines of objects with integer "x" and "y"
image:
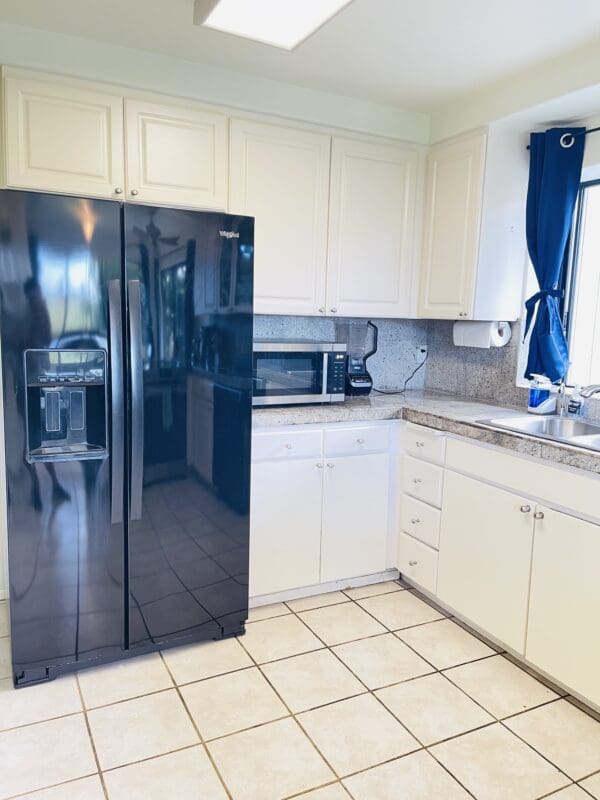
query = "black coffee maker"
{"x": 361, "y": 338}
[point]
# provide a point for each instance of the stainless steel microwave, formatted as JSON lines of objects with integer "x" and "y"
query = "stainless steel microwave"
{"x": 291, "y": 372}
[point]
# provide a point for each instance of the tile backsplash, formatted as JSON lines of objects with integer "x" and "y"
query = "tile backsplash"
{"x": 469, "y": 372}
{"x": 396, "y": 356}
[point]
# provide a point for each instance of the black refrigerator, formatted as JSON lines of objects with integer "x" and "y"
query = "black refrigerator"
{"x": 126, "y": 334}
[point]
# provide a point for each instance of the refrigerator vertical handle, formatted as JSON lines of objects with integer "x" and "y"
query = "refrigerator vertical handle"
{"x": 117, "y": 428}
{"x": 137, "y": 400}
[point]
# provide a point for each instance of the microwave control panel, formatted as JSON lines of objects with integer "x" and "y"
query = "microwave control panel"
{"x": 336, "y": 373}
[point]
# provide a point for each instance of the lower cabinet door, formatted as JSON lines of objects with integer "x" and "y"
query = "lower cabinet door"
{"x": 486, "y": 538}
{"x": 355, "y": 516}
{"x": 285, "y": 524}
{"x": 418, "y": 562}
{"x": 562, "y": 636}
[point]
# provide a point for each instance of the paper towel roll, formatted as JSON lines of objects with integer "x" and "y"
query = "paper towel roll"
{"x": 481, "y": 334}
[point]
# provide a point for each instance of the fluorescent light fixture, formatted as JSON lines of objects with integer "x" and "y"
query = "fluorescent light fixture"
{"x": 280, "y": 23}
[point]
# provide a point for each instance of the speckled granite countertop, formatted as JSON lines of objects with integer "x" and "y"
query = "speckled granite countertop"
{"x": 443, "y": 412}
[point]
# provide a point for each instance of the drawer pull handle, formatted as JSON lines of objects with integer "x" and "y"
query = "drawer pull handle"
{"x": 288, "y": 446}
{"x": 525, "y": 509}
{"x": 415, "y": 520}
{"x": 412, "y": 563}
{"x": 538, "y": 515}
{"x": 420, "y": 444}
{"x": 417, "y": 480}
{"x": 360, "y": 440}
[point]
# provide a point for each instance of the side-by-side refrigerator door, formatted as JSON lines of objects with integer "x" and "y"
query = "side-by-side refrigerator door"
{"x": 60, "y": 279}
{"x": 189, "y": 351}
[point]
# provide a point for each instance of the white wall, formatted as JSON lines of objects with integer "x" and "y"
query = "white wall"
{"x": 562, "y": 88}
{"x": 84, "y": 58}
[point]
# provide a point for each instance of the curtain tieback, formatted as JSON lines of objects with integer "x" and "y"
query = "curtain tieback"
{"x": 531, "y": 304}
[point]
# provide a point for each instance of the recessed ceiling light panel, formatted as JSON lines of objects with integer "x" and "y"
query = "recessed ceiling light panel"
{"x": 280, "y": 23}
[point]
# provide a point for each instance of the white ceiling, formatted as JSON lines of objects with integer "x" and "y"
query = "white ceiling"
{"x": 412, "y": 54}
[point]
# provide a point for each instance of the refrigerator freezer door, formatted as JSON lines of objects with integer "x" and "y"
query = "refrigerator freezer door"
{"x": 189, "y": 303}
{"x": 57, "y": 257}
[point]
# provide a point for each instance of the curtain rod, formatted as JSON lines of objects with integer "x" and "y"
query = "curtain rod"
{"x": 569, "y": 142}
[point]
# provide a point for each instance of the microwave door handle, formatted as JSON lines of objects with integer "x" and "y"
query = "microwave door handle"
{"x": 137, "y": 401}
{"x": 117, "y": 423}
{"x": 324, "y": 392}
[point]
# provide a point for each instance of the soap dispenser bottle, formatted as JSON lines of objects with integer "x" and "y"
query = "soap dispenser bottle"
{"x": 541, "y": 401}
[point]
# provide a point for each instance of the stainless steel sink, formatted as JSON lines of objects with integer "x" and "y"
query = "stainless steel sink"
{"x": 560, "y": 429}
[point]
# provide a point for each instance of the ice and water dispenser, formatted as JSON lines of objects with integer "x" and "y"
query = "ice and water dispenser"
{"x": 66, "y": 404}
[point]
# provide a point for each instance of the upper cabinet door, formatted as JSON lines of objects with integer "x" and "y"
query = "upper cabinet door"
{"x": 453, "y": 205}
{"x": 63, "y": 138}
{"x": 280, "y": 176}
{"x": 176, "y": 156}
{"x": 374, "y": 198}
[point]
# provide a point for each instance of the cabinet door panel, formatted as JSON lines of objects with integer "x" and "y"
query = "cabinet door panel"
{"x": 176, "y": 156}
{"x": 485, "y": 557}
{"x": 355, "y": 516}
{"x": 285, "y": 525}
{"x": 280, "y": 176}
{"x": 372, "y": 229}
{"x": 63, "y": 138}
{"x": 562, "y": 636}
{"x": 453, "y": 203}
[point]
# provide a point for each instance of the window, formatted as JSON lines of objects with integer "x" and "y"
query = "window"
{"x": 581, "y": 284}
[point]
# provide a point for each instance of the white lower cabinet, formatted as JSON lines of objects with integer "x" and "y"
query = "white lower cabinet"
{"x": 486, "y": 540}
{"x": 318, "y": 512}
{"x": 355, "y": 514}
{"x": 285, "y": 535}
{"x": 562, "y": 637}
{"x": 418, "y": 562}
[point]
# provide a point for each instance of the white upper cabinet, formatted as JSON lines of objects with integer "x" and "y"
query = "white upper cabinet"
{"x": 473, "y": 242}
{"x": 374, "y": 209}
{"x": 451, "y": 234}
{"x": 176, "y": 155}
{"x": 280, "y": 176}
{"x": 63, "y": 137}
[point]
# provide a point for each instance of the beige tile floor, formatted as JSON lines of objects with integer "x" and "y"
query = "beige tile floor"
{"x": 368, "y": 694}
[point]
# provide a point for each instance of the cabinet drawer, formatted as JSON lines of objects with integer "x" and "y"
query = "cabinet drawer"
{"x": 418, "y": 562}
{"x": 420, "y": 521}
{"x": 423, "y": 480}
{"x": 286, "y": 444}
{"x": 425, "y": 443}
{"x": 351, "y": 441}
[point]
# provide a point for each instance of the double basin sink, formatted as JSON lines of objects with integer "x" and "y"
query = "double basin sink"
{"x": 575, "y": 432}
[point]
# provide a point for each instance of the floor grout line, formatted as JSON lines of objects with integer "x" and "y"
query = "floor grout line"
{"x": 198, "y": 734}
{"x": 294, "y": 715}
{"x": 91, "y": 738}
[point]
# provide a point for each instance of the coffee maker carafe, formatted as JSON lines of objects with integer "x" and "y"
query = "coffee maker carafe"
{"x": 361, "y": 338}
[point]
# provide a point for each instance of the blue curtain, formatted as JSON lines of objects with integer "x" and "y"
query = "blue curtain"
{"x": 554, "y": 177}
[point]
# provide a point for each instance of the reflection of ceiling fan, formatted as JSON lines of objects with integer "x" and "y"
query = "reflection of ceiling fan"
{"x": 152, "y": 231}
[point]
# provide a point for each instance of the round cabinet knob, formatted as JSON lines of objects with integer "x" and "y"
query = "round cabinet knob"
{"x": 417, "y": 480}
{"x": 319, "y": 466}
{"x": 420, "y": 444}
{"x": 134, "y": 192}
{"x": 538, "y": 515}
{"x": 118, "y": 190}
{"x": 525, "y": 509}
{"x": 322, "y": 310}
{"x": 288, "y": 446}
{"x": 333, "y": 310}
{"x": 412, "y": 563}
{"x": 462, "y": 314}
{"x": 415, "y": 521}
{"x": 330, "y": 465}
{"x": 360, "y": 440}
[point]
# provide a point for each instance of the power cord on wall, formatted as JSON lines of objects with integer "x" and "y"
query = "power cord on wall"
{"x": 408, "y": 380}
